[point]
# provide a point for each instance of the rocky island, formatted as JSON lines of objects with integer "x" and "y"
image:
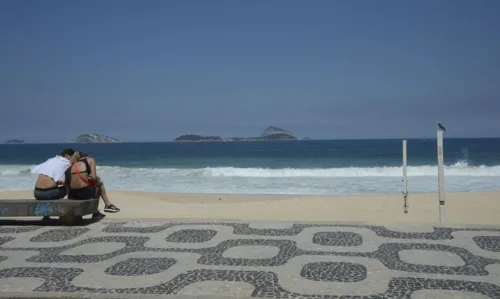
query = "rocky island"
{"x": 270, "y": 133}
{"x": 93, "y": 138}
{"x": 15, "y": 141}
{"x": 192, "y": 137}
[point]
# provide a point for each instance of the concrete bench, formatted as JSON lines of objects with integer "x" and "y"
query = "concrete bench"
{"x": 68, "y": 210}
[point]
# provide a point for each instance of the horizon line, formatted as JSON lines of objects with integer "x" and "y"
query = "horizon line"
{"x": 234, "y": 141}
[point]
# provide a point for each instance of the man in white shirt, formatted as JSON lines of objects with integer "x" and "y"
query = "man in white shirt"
{"x": 50, "y": 182}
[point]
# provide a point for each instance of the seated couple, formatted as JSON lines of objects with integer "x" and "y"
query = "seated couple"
{"x": 74, "y": 174}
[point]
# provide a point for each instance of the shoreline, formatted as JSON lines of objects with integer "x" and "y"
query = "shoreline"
{"x": 265, "y": 196}
{"x": 468, "y": 208}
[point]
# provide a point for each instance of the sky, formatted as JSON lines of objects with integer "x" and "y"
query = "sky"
{"x": 154, "y": 70}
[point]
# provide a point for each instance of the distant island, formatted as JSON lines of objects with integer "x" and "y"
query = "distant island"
{"x": 15, "y": 141}
{"x": 192, "y": 137}
{"x": 270, "y": 133}
{"x": 93, "y": 138}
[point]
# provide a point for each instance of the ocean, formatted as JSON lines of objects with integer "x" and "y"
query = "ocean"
{"x": 272, "y": 167}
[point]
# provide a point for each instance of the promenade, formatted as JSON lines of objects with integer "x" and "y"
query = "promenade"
{"x": 184, "y": 259}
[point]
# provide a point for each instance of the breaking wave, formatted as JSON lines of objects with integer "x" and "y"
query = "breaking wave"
{"x": 349, "y": 180}
{"x": 458, "y": 169}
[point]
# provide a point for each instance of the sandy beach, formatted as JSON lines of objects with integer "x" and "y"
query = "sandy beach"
{"x": 461, "y": 208}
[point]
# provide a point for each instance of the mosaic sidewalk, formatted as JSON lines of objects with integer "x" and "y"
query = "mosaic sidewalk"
{"x": 260, "y": 260}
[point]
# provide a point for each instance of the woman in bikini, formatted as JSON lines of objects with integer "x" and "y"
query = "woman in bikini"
{"x": 85, "y": 184}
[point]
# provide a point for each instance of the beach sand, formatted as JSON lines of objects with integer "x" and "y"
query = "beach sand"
{"x": 482, "y": 208}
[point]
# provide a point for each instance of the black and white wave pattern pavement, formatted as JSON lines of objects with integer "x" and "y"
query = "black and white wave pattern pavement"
{"x": 261, "y": 259}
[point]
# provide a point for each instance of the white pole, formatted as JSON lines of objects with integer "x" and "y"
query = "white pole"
{"x": 442, "y": 216}
{"x": 405, "y": 177}
{"x": 405, "y": 180}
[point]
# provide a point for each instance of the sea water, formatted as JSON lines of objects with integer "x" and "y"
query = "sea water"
{"x": 272, "y": 167}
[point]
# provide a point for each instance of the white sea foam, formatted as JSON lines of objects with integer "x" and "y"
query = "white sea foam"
{"x": 458, "y": 169}
{"x": 459, "y": 177}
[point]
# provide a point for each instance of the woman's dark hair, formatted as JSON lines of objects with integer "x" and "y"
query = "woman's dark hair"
{"x": 83, "y": 154}
{"x": 67, "y": 151}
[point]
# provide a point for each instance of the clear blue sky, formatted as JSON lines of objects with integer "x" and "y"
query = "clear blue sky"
{"x": 153, "y": 70}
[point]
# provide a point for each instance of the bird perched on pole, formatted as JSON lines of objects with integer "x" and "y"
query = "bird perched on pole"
{"x": 441, "y": 126}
